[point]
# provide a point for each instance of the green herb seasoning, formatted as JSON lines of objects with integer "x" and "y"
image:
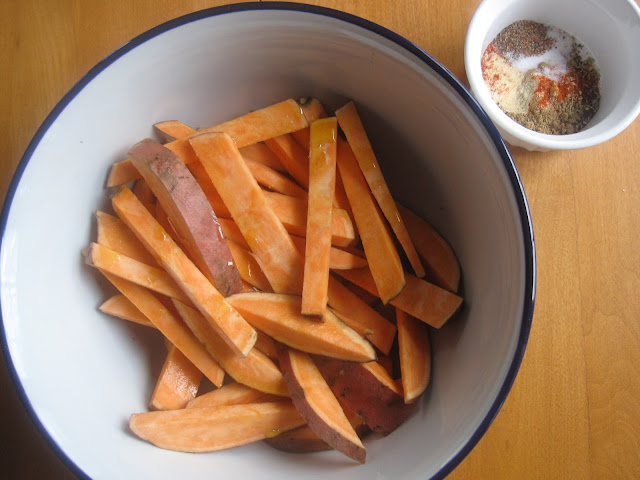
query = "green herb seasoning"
{"x": 542, "y": 77}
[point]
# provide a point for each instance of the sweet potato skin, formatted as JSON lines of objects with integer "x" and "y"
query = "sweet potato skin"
{"x": 317, "y": 405}
{"x": 189, "y": 212}
{"x": 361, "y": 394}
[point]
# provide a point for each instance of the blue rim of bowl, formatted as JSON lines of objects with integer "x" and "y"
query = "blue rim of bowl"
{"x": 514, "y": 177}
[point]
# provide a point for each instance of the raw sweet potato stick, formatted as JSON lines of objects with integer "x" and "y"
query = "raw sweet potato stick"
{"x": 279, "y": 316}
{"x": 171, "y": 327}
{"x": 189, "y": 213}
{"x": 261, "y": 228}
{"x": 121, "y": 307}
{"x": 177, "y": 383}
{"x": 414, "y": 351}
{"x": 384, "y": 261}
{"x": 153, "y": 278}
{"x": 351, "y": 124}
{"x": 255, "y": 370}
{"x": 254, "y": 127}
{"x": 434, "y": 250}
{"x": 215, "y": 428}
{"x": 322, "y": 182}
{"x": 238, "y": 334}
{"x": 420, "y": 299}
{"x": 318, "y": 406}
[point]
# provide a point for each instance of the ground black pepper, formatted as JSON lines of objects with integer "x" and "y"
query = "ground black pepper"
{"x": 542, "y": 77}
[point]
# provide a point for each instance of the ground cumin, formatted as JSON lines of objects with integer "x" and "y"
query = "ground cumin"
{"x": 542, "y": 77}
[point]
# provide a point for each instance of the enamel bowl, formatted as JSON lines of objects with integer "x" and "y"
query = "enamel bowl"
{"x": 610, "y": 29}
{"x": 81, "y": 374}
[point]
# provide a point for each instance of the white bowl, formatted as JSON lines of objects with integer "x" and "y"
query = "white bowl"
{"x": 610, "y": 29}
{"x": 81, "y": 374}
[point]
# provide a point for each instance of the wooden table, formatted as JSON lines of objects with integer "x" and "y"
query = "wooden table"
{"x": 573, "y": 411}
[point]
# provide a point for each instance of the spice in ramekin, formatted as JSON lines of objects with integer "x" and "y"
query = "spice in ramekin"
{"x": 542, "y": 77}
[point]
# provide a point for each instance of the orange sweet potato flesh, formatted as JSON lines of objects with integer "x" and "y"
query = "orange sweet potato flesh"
{"x": 245, "y": 200}
{"x": 292, "y": 156}
{"x": 153, "y": 278}
{"x": 171, "y": 130}
{"x": 292, "y": 212}
{"x": 273, "y": 180}
{"x": 434, "y": 250}
{"x": 233, "y": 393}
{"x": 113, "y": 233}
{"x": 366, "y": 392}
{"x": 420, "y": 299}
{"x": 215, "y": 428}
{"x": 384, "y": 261}
{"x": 236, "y": 332}
{"x": 249, "y": 269}
{"x": 171, "y": 327}
{"x": 414, "y": 351}
{"x": 277, "y": 119}
{"x": 313, "y": 110}
{"x": 259, "y": 152}
{"x": 189, "y": 212}
{"x": 120, "y": 306}
{"x": 318, "y": 406}
{"x": 339, "y": 259}
{"x": 360, "y": 316}
{"x": 177, "y": 383}
{"x": 322, "y": 182}
{"x": 351, "y": 125}
{"x": 279, "y": 316}
{"x": 255, "y": 370}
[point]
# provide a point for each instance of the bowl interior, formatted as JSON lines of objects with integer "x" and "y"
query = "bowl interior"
{"x": 610, "y": 29}
{"x": 84, "y": 373}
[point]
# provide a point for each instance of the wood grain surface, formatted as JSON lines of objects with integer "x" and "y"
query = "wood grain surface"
{"x": 573, "y": 412}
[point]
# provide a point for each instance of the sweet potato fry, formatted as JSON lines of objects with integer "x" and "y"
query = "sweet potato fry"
{"x": 277, "y": 119}
{"x": 232, "y": 233}
{"x": 177, "y": 383}
{"x": 189, "y": 213}
{"x": 322, "y": 182}
{"x": 338, "y": 259}
{"x": 420, "y": 299}
{"x": 366, "y": 392}
{"x": 292, "y": 212}
{"x": 351, "y": 124}
{"x": 171, "y": 130}
{"x": 261, "y": 228}
{"x": 259, "y": 152}
{"x": 318, "y": 406}
{"x": 233, "y": 393}
{"x": 279, "y": 316}
{"x": 120, "y": 306}
{"x": 113, "y": 233}
{"x": 313, "y": 110}
{"x": 273, "y": 180}
{"x": 255, "y": 370}
{"x": 292, "y": 156}
{"x": 171, "y": 327}
{"x": 214, "y": 428}
{"x": 153, "y": 278}
{"x": 249, "y": 268}
{"x": 142, "y": 190}
{"x": 434, "y": 250}
{"x": 238, "y": 334}
{"x": 360, "y": 316}
{"x": 414, "y": 351}
{"x": 384, "y": 261}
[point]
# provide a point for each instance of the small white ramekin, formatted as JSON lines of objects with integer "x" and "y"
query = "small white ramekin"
{"x": 610, "y": 29}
